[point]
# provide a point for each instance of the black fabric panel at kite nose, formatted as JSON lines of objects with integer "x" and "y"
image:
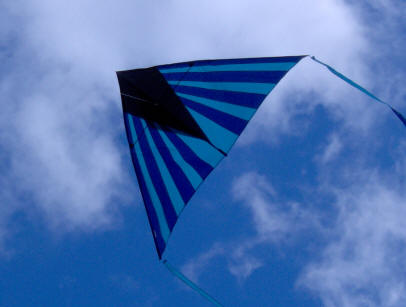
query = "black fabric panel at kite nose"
{"x": 146, "y": 94}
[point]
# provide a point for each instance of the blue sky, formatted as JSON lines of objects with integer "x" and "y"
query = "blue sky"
{"x": 308, "y": 209}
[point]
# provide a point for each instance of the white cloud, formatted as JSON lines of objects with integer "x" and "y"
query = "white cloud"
{"x": 332, "y": 149}
{"x": 242, "y": 264}
{"x": 363, "y": 263}
{"x": 62, "y": 136}
{"x": 6, "y": 212}
{"x": 59, "y": 77}
{"x": 195, "y": 267}
{"x": 62, "y": 147}
{"x": 360, "y": 257}
{"x": 255, "y": 192}
{"x": 274, "y": 223}
{"x": 59, "y": 133}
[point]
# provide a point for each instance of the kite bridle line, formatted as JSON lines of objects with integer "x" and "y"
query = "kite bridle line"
{"x": 189, "y": 283}
{"x": 362, "y": 89}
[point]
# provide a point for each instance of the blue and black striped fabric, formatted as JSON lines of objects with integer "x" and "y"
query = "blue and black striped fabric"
{"x": 221, "y": 96}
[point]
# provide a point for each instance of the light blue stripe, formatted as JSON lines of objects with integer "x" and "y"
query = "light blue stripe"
{"x": 150, "y": 186}
{"x": 132, "y": 129}
{"x": 173, "y": 192}
{"x": 202, "y": 149}
{"x": 245, "y": 87}
{"x": 218, "y": 135}
{"x": 187, "y": 169}
{"x": 233, "y": 67}
{"x": 232, "y": 109}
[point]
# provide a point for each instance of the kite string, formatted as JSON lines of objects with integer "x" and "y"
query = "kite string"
{"x": 359, "y": 87}
{"x": 191, "y": 284}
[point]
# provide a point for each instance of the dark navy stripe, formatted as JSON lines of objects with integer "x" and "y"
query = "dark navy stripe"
{"x": 234, "y": 61}
{"x": 149, "y": 207}
{"x": 230, "y": 122}
{"x": 175, "y": 65}
{"x": 181, "y": 181}
{"x": 170, "y": 213}
{"x": 170, "y": 185}
{"x": 238, "y": 98}
{"x": 228, "y": 76}
{"x": 250, "y": 60}
{"x": 202, "y": 167}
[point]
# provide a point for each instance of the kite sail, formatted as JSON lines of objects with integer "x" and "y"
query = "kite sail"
{"x": 182, "y": 119}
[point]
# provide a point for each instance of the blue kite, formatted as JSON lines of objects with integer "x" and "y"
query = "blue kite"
{"x": 182, "y": 119}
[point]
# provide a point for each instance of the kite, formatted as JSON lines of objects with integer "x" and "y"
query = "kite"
{"x": 182, "y": 119}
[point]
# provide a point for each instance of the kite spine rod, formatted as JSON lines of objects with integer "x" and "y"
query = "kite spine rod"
{"x": 359, "y": 87}
{"x": 191, "y": 284}
{"x": 139, "y": 99}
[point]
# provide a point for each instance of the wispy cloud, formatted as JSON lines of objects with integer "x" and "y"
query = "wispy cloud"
{"x": 194, "y": 267}
{"x": 333, "y": 148}
{"x": 59, "y": 131}
{"x": 361, "y": 254}
{"x": 275, "y": 223}
{"x": 361, "y": 257}
{"x": 363, "y": 263}
{"x": 62, "y": 118}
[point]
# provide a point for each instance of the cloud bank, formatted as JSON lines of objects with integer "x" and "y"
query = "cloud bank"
{"x": 61, "y": 128}
{"x": 63, "y": 152}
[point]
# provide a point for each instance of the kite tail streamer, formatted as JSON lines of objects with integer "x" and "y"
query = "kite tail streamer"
{"x": 357, "y": 86}
{"x": 188, "y": 282}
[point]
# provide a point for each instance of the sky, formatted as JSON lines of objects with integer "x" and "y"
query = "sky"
{"x": 308, "y": 208}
